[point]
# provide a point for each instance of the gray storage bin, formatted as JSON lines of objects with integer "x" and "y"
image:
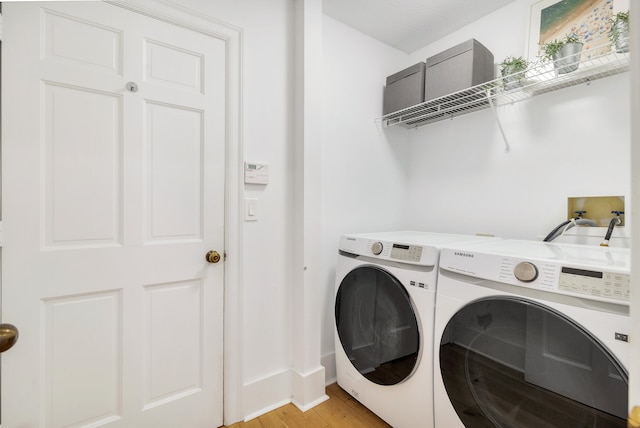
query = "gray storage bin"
{"x": 404, "y": 89}
{"x": 460, "y": 67}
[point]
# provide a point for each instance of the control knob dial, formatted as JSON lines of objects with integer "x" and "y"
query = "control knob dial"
{"x": 376, "y": 248}
{"x": 525, "y": 272}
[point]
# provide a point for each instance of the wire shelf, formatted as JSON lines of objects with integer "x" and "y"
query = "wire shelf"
{"x": 537, "y": 79}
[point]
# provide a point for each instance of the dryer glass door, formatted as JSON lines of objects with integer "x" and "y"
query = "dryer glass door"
{"x": 377, "y": 325}
{"x": 509, "y": 362}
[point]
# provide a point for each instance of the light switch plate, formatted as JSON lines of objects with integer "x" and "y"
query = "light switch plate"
{"x": 250, "y": 209}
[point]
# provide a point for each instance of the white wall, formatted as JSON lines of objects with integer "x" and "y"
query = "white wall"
{"x": 363, "y": 170}
{"x": 569, "y": 143}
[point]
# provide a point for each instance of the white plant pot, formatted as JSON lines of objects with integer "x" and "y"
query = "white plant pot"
{"x": 567, "y": 59}
{"x": 621, "y": 31}
{"x": 512, "y": 77}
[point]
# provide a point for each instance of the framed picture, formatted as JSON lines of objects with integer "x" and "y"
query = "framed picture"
{"x": 590, "y": 20}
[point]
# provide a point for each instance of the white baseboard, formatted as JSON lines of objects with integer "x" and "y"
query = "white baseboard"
{"x": 289, "y": 386}
{"x": 266, "y": 394}
{"x": 312, "y": 404}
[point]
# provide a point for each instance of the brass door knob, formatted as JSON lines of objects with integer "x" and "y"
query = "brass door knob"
{"x": 8, "y": 336}
{"x": 212, "y": 256}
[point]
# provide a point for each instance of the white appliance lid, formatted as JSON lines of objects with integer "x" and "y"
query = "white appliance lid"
{"x": 430, "y": 239}
{"x": 416, "y": 248}
{"x": 574, "y": 254}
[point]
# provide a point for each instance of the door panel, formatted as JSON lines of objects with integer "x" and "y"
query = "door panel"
{"x": 95, "y": 366}
{"x": 106, "y": 192}
{"x": 172, "y": 65}
{"x": 82, "y": 167}
{"x": 173, "y": 197}
{"x": 87, "y": 44}
{"x": 174, "y": 366}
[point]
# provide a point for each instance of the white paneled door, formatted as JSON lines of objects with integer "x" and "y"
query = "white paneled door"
{"x": 113, "y": 157}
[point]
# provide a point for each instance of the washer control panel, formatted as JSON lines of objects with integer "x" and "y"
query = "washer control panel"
{"x": 585, "y": 272}
{"x": 592, "y": 283}
{"x": 595, "y": 283}
{"x": 609, "y": 285}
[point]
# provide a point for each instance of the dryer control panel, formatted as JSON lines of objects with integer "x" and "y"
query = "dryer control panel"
{"x": 402, "y": 252}
{"x": 406, "y": 253}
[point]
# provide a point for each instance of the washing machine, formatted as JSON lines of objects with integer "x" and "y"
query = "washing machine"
{"x": 384, "y": 309}
{"x": 532, "y": 334}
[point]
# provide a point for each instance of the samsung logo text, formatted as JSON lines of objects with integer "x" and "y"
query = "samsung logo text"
{"x": 461, "y": 254}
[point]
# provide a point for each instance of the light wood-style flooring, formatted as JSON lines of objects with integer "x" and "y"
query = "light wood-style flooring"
{"x": 340, "y": 411}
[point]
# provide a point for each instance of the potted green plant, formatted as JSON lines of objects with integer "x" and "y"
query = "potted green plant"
{"x": 565, "y": 53}
{"x": 512, "y": 70}
{"x": 619, "y": 33}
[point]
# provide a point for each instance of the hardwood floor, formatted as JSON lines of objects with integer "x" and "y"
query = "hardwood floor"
{"x": 340, "y": 411}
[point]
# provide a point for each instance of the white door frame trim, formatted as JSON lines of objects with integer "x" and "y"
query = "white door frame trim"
{"x": 169, "y": 11}
{"x": 634, "y": 375}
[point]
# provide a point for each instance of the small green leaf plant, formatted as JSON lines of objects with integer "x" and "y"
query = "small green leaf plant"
{"x": 512, "y": 64}
{"x": 550, "y": 49}
{"x": 620, "y": 20}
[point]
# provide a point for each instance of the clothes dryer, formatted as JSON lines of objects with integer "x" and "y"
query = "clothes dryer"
{"x": 532, "y": 334}
{"x": 384, "y": 308}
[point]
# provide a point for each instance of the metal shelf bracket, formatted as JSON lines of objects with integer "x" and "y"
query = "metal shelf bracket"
{"x": 507, "y": 148}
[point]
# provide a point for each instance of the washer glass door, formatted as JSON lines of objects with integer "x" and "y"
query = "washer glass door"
{"x": 510, "y": 362}
{"x": 377, "y": 325}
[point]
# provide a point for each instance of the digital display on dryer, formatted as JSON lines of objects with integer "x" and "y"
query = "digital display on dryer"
{"x": 582, "y": 272}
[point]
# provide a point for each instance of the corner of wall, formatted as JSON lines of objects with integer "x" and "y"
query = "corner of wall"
{"x": 328, "y": 361}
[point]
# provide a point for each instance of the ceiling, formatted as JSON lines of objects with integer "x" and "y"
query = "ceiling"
{"x": 409, "y": 24}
